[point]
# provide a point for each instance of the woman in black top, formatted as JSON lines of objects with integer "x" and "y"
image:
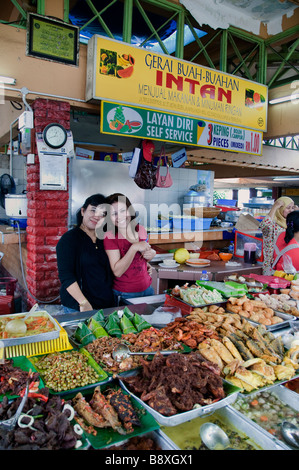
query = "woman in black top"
{"x": 83, "y": 266}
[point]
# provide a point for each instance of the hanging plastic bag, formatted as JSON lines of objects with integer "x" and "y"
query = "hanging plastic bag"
{"x": 288, "y": 265}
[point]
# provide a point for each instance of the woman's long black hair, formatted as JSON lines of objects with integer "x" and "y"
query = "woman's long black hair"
{"x": 292, "y": 226}
{"x": 94, "y": 200}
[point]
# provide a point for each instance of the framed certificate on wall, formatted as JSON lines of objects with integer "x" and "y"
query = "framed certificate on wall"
{"x": 52, "y": 39}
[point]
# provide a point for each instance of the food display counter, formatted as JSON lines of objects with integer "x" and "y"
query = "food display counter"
{"x": 218, "y": 270}
{"x": 151, "y": 421}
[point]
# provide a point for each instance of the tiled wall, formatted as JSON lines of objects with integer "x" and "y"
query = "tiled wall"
{"x": 182, "y": 178}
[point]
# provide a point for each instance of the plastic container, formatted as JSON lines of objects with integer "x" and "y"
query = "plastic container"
{"x": 164, "y": 223}
{"x": 7, "y": 284}
{"x": 191, "y": 223}
{"x": 250, "y": 253}
{"x": 6, "y": 304}
{"x": 41, "y": 347}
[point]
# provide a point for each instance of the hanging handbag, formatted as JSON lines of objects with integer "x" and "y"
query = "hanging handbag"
{"x": 146, "y": 175}
{"x": 163, "y": 181}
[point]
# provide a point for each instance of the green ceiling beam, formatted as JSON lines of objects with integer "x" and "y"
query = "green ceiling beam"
{"x": 282, "y": 65}
{"x": 261, "y": 54}
{"x": 127, "y": 21}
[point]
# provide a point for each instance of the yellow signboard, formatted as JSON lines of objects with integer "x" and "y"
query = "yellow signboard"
{"x": 120, "y": 72}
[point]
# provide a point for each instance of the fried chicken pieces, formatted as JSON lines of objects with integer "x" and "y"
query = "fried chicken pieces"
{"x": 170, "y": 384}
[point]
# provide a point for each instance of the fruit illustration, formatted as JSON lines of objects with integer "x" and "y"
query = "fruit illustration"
{"x": 124, "y": 120}
{"x": 117, "y": 65}
{"x": 125, "y": 73}
{"x": 125, "y": 64}
{"x": 254, "y": 99}
{"x": 200, "y": 128}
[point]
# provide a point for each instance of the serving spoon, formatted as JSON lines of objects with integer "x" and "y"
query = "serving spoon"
{"x": 214, "y": 437}
{"x": 18, "y": 325}
{"x": 290, "y": 433}
{"x": 122, "y": 351}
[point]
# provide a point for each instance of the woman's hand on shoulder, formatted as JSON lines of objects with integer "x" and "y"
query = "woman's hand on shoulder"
{"x": 149, "y": 254}
{"x": 141, "y": 246}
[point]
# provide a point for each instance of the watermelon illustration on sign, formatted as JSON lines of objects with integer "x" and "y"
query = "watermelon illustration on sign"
{"x": 124, "y": 120}
{"x": 125, "y": 64}
{"x": 254, "y": 100}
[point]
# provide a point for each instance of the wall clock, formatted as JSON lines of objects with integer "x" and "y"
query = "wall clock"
{"x": 55, "y": 135}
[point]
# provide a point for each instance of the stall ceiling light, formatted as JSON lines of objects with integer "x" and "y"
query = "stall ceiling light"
{"x": 292, "y": 97}
{"x": 286, "y": 178}
{"x": 7, "y": 80}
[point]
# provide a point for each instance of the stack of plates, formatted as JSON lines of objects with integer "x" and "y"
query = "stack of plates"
{"x": 198, "y": 263}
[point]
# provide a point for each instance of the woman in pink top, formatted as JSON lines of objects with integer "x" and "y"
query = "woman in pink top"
{"x": 272, "y": 225}
{"x": 287, "y": 244}
{"x": 128, "y": 251}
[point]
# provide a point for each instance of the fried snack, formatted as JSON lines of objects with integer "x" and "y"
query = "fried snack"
{"x": 232, "y": 348}
{"x": 223, "y": 352}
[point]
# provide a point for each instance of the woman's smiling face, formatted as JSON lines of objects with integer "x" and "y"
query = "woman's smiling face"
{"x": 119, "y": 214}
{"x": 92, "y": 215}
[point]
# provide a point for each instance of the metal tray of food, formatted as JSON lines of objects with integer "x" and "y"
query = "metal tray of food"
{"x": 248, "y": 434}
{"x": 288, "y": 397}
{"x": 159, "y": 439}
{"x": 32, "y": 338}
{"x": 187, "y": 415}
{"x": 200, "y": 305}
{"x": 284, "y": 324}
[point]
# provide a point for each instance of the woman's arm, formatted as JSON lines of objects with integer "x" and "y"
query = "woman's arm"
{"x": 75, "y": 291}
{"x": 66, "y": 251}
{"x": 120, "y": 265}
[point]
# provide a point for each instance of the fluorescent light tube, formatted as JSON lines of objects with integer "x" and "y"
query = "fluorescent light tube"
{"x": 293, "y": 97}
{"x": 286, "y": 178}
{"x": 7, "y": 80}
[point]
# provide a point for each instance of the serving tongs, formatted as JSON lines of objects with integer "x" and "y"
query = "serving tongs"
{"x": 9, "y": 424}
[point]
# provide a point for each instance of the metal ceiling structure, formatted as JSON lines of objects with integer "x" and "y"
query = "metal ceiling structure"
{"x": 273, "y": 61}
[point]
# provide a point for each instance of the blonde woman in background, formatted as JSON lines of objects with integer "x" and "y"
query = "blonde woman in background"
{"x": 272, "y": 225}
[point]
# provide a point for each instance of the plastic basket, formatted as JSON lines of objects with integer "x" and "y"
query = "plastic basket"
{"x": 195, "y": 223}
{"x": 8, "y": 284}
{"x": 41, "y": 347}
{"x": 6, "y": 304}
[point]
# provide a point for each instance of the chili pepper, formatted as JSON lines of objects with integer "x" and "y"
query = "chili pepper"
{"x": 38, "y": 395}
